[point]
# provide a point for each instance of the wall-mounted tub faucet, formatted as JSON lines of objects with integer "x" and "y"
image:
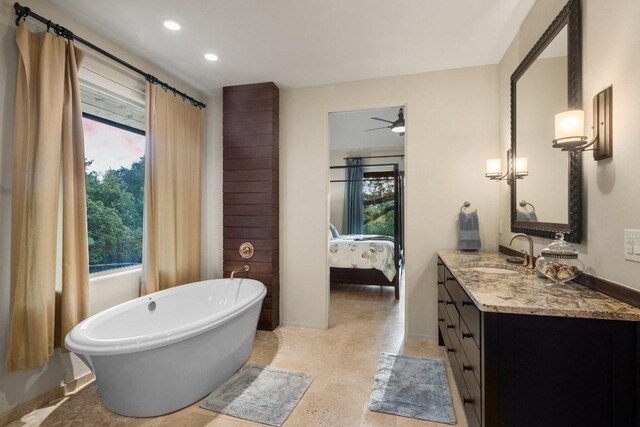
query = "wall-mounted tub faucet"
{"x": 238, "y": 270}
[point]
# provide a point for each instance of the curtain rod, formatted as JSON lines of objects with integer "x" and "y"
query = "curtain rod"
{"x": 362, "y": 166}
{"x": 23, "y": 12}
{"x": 373, "y": 157}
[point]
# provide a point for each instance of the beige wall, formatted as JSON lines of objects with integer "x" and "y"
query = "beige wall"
{"x": 18, "y": 387}
{"x": 611, "y": 56}
{"x": 452, "y": 129}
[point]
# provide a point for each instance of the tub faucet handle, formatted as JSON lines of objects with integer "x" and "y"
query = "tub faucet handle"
{"x": 246, "y": 250}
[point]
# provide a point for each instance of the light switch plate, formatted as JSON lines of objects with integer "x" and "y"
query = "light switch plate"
{"x": 632, "y": 245}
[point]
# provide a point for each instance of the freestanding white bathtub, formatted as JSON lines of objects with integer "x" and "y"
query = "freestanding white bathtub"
{"x": 164, "y": 351}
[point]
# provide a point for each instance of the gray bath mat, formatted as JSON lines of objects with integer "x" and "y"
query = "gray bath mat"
{"x": 412, "y": 387}
{"x": 259, "y": 393}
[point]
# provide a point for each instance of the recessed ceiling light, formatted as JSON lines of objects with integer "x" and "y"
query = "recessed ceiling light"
{"x": 171, "y": 25}
{"x": 210, "y": 56}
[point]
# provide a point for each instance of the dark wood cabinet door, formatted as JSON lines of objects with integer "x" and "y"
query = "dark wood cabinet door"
{"x": 552, "y": 371}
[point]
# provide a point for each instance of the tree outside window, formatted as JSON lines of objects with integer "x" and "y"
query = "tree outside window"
{"x": 114, "y": 168}
{"x": 379, "y": 205}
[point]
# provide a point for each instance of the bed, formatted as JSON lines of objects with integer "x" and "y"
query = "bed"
{"x": 365, "y": 260}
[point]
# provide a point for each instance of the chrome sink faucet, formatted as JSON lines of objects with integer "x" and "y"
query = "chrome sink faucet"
{"x": 528, "y": 257}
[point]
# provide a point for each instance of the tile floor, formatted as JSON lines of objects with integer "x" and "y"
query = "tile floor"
{"x": 365, "y": 320}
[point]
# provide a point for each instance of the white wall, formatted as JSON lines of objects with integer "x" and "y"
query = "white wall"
{"x": 336, "y": 189}
{"x": 452, "y": 119}
{"x": 611, "y": 56}
{"x": 21, "y": 386}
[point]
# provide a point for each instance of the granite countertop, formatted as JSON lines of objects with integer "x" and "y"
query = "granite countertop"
{"x": 526, "y": 293}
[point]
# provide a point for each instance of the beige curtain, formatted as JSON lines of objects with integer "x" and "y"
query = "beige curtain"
{"x": 48, "y": 161}
{"x": 172, "y": 192}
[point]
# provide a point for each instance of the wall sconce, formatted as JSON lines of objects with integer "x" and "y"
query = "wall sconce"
{"x": 493, "y": 170}
{"x": 570, "y": 128}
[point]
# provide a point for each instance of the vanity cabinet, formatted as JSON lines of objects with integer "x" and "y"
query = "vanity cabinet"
{"x": 538, "y": 370}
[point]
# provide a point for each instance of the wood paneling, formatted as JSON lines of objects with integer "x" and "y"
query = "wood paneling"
{"x": 250, "y": 188}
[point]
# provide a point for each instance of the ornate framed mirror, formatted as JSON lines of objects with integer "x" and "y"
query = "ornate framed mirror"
{"x": 547, "y": 199}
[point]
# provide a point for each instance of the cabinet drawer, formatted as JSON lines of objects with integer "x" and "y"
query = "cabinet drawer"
{"x": 471, "y": 317}
{"x": 443, "y": 320}
{"x": 471, "y": 350}
{"x": 472, "y": 403}
{"x": 474, "y": 396}
{"x": 452, "y": 285}
{"x": 467, "y": 309}
{"x": 440, "y": 272}
{"x": 463, "y": 392}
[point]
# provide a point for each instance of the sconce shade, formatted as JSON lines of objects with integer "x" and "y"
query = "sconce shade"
{"x": 569, "y": 128}
{"x": 494, "y": 168}
{"x": 522, "y": 168}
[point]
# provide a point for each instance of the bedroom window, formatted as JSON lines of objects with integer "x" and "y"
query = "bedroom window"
{"x": 113, "y": 107}
{"x": 378, "y": 194}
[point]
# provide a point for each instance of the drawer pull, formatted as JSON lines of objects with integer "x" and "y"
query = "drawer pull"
{"x": 449, "y": 302}
{"x": 466, "y": 368}
{"x": 440, "y": 301}
{"x": 450, "y": 279}
{"x": 467, "y": 335}
{"x": 440, "y": 320}
{"x": 467, "y": 401}
{"x": 450, "y": 326}
{"x": 450, "y": 350}
{"x": 466, "y": 303}
{"x": 440, "y": 282}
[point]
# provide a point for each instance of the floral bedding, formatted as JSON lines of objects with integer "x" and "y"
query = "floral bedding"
{"x": 349, "y": 253}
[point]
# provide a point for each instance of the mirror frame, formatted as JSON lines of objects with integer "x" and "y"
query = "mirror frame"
{"x": 570, "y": 16}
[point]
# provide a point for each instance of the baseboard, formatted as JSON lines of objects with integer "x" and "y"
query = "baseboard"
{"x": 422, "y": 337}
{"x": 303, "y": 325}
{"x": 24, "y": 408}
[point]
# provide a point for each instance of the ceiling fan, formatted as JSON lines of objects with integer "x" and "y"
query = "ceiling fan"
{"x": 397, "y": 126}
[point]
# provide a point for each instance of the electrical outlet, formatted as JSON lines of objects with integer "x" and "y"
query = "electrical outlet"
{"x": 632, "y": 245}
{"x": 499, "y": 226}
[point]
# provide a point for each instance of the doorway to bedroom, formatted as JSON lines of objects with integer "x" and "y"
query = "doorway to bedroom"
{"x": 366, "y": 218}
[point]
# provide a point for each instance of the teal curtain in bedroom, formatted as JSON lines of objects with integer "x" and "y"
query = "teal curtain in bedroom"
{"x": 353, "y": 198}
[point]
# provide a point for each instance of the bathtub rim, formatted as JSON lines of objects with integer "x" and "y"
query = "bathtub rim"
{"x": 80, "y": 341}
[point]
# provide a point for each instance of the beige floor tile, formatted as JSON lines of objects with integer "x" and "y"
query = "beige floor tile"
{"x": 365, "y": 321}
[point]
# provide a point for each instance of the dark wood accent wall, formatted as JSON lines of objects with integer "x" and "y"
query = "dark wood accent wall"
{"x": 250, "y": 150}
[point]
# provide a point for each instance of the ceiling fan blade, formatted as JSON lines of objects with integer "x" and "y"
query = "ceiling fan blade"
{"x": 383, "y": 127}
{"x": 382, "y": 120}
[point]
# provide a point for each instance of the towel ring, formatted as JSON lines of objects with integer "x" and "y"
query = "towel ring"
{"x": 464, "y": 206}
{"x": 524, "y": 203}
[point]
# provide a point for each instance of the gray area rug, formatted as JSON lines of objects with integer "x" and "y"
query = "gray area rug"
{"x": 259, "y": 393}
{"x": 412, "y": 387}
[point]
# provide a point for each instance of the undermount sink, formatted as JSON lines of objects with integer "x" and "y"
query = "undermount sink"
{"x": 493, "y": 268}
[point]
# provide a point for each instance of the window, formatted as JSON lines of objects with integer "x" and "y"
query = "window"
{"x": 379, "y": 189}
{"x": 114, "y": 167}
{"x": 113, "y": 109}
